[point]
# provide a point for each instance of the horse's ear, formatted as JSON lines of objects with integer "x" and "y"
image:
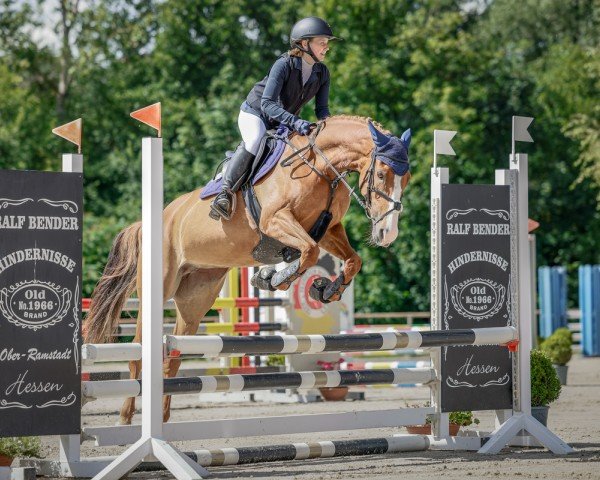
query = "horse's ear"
{"x": 406, "y": 137}
{"x": 380, "y": 139}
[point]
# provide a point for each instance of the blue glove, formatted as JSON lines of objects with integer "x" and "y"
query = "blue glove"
{"x": 301, "y": 126}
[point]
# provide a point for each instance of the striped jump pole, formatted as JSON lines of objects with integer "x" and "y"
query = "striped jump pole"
{"x": 189, "y": 372}
{"x": 273, "y": 344}
{"x": 223, "y": 302}
{"x": 92, "y": 353}
{"x": 128, "y": 329}
{"x": 304, "y": 451}
{"x": 250, "y": 302}
{"x": 287, "y": 452}
{"x": 262, "y": 381}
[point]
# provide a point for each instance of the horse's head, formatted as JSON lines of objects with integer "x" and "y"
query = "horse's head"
{"x": 382, "y": 183}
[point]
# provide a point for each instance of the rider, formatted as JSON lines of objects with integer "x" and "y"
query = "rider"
{"x": 294, "y": 79}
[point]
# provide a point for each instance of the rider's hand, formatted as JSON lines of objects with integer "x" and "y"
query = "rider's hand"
{"x": 302, "y": 126}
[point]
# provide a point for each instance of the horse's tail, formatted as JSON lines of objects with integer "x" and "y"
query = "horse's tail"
{"x": 115, "y": 286}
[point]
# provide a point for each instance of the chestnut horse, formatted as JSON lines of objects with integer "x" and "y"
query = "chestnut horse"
{"x": 198, "y": 251}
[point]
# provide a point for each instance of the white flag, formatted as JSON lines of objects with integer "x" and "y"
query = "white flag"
{"x": 520, "y": 126}
{"x": 441, "y": 142}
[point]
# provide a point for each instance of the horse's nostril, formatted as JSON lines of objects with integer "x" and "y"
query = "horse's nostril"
{"x": 381, "y": 234}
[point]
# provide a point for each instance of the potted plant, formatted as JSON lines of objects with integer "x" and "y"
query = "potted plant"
{"x": 558, "y": 348}
{"x": 11, "y": 447}
{"x": 545, "y": 385}
{"x": 456, "y": 420}
{"x": 332, "y": 394}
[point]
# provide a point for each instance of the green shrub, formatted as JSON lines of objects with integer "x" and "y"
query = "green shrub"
{"x": 20, "y": 447}
{"x": 545, "y": 385}
{"x": 464, "y": 419}
{"x": 563, "y": 332}
{"x": 558, "y": 348}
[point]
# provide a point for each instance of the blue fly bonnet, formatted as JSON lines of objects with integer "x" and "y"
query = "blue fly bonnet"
{"x": 391, "y": 150}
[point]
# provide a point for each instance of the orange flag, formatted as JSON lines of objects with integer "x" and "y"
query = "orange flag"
{"x": 532, "y": 225}
{"x": 70, "y": 131}
{"x": 150, "y": 115}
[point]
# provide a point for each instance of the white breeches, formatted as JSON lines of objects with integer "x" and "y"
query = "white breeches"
{"x": 252, "y": 129}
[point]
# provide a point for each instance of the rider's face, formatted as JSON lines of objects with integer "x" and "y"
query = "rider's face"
{"x": 319, "y": 46}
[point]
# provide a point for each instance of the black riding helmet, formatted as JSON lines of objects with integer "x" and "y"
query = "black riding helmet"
{"x": 308, "y": 28}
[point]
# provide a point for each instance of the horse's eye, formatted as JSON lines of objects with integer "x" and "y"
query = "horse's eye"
{"x": 380, "y": 174}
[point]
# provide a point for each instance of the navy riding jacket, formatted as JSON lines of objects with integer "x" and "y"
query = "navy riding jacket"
{"x": 279, "y": 97}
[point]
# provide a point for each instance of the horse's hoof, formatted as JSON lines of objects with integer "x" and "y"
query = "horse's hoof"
{"x": 334, "y": 288}
{"x": 262, "y": 279}
{"x": 287, "y": 275}
{"x": 317, "y": 289}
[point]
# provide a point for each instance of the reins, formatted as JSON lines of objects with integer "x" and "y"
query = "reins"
{"x": 311, "y": 146}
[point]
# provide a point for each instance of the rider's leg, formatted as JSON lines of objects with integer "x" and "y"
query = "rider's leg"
{"x": 252, "y": 129}
{"x": 235, "y": 174}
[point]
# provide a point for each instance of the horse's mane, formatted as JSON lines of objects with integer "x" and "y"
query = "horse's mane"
{"x": 358, "y": 118}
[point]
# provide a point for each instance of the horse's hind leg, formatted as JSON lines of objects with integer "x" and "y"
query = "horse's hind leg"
{"x": 170, "y": 277}
{"x": 194, "y": 297}
{"x": 135, "y": 367}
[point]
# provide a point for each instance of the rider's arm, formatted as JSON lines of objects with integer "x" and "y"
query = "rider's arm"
{"x": 269, "y": 102}
{"x": 322, "y": 99}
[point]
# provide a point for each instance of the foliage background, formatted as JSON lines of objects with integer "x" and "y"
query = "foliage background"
{"x": 457, "y": 65}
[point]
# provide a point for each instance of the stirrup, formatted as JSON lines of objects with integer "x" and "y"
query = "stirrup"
{"x": 216, "y": 212}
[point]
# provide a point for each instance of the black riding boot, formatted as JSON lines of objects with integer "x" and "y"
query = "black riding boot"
{"x": 235, "y": 174}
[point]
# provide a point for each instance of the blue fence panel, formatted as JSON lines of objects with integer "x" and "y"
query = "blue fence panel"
{"x": 589, "y": 304}
{"x": 552, "y": 294}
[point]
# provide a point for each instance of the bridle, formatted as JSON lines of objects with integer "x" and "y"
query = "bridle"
{"x": 366, "y": 202}
{"x": 371, "y": 189}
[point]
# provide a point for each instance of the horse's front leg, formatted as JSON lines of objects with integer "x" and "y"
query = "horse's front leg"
{"x": 284, "y": 227}
{"x": 336, "y": 242}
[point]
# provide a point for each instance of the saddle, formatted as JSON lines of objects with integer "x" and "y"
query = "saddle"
{"x": 270, "y": 150}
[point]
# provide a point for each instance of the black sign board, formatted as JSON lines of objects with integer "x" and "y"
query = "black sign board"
{"x": 40, "y": 302}
{"x": 475, "y": 293}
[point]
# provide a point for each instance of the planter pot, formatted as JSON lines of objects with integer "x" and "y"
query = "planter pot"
{"x": 426, "y": 429}
{"x": 540, "y": 414}
{"x": 334, "y": 394}
{"x": 5, "y": 461}
{"x": 561, "y": 371}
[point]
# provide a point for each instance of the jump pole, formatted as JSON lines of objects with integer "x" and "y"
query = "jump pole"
{"x": 151, "y": 445}
{"x": 98, "y": 389}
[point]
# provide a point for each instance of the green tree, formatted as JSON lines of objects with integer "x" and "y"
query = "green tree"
{"x": 432, "y": 64}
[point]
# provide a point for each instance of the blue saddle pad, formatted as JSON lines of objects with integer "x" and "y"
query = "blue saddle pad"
{"x": 214, "y": 186}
